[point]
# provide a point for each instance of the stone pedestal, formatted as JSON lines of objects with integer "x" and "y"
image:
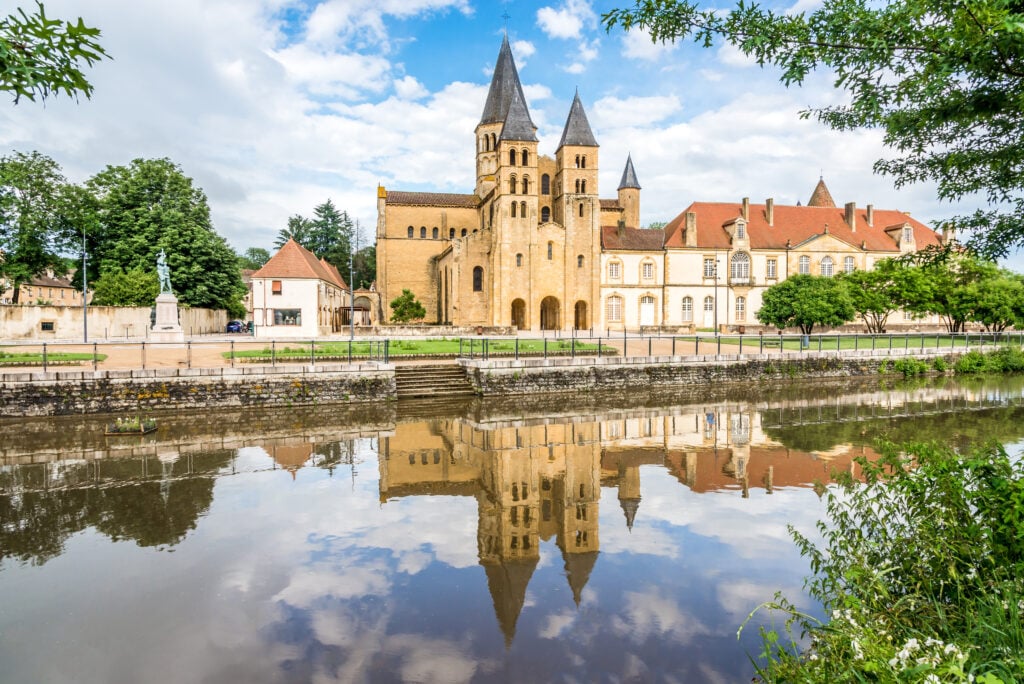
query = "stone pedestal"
{"x": 166, "y": 328}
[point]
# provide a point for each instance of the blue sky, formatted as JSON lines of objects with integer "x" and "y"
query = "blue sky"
{"x": 273, "y": 106}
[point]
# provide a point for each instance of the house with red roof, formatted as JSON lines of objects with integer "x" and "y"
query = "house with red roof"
{"x": 295, "y": 294}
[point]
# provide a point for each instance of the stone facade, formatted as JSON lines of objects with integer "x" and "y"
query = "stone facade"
{"x": 46, "y": 323}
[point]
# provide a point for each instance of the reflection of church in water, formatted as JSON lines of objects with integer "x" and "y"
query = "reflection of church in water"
{"x": 538, "y": 481}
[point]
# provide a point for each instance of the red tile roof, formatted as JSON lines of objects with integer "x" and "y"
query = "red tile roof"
{"x": 432, "y": 199}
{"x": 821, "y": 197}
{"x": 295, "y": 261}
{"x": 644, "y": 240}
{"x": 795, "y": 225}
{"x": 610, "y": 205}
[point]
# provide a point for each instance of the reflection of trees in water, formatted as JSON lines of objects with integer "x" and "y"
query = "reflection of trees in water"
{"x": 954, "y": 428}
{"x": 159, "y": 510}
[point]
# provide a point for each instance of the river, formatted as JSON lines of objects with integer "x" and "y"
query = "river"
{"x": 604, "y": 538}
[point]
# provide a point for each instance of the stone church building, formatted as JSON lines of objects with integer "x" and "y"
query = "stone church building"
{"x": 533, "y": 247}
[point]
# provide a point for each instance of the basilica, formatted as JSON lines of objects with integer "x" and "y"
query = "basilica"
{"x": 534, "y": 247}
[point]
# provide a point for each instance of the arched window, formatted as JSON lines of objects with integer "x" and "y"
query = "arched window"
{"x": 487, "y": 143}
{"x": 545, "y": 214}
{"x": 739, "y": 266}
{"x": 478, "y": 279}
{"x": 410, "y": 231}
{"x": 463, "y": 232}
{"x": 583, "y": 186}
{"x": 526, "y": 157}
{"x": 577, "y": 186}
{"x": 551, "y": 251}
{"x": 741, "y": 308}
{"x": 512, "y": 185}
{"x": 687, "y": 309}
{"x": 577, "y": 161}
{"x": 513, "y": 210}
{"x": 526, "y": 185}
{"x": 805, "y": 265}
{"x": 613, "y": 309}
{"x": 423, "y": 231}
{"x": 434, "y": 233}
{"x": 545, "y": 184}
{"x": 583, "y": 162}
{"x": 494, "y": 141}
{"x": 827, "y": 267}
{"x": 451, "y": 233}
{"x": 848, "y": 265}
{"x": 709, "y": 304}
{"x": 519, "y": 260}
{"x": 522, "y": 209}
{"x": 579, "y": 261}
{"x": 581, "y": 208}
{"x": 512, "y": 157}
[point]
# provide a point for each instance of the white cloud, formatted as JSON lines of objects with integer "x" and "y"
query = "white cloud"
{"x": 637, "y": 44}
{"x": 568, "y": 21}
{"x": 613, "y": 112}
{"x": 408, "y": 88}
{"x": 730, "y": 55}
{"x": 575, "y": 68}
{"x": 338, "y": 21}
{"x": 523, "y": 49}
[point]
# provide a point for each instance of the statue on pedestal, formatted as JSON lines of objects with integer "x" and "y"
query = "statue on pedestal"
{"x": 163, "y": 272}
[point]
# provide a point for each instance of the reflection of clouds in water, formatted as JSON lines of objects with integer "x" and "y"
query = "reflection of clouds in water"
{"x": 431, "y": 660}
{"x": 739, "y": 598}
{"x": 347, "y": 580}
{"x": 556, "y": 624}
{"x": 652, "y": 614}
{"x": 643, "y": 539}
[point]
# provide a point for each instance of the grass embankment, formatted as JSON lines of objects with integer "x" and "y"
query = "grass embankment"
{"x": 326, "y": 351}
{"x": 921, "y": 569}
{"x": 55, "y": 358}
{"x": 844, "y": 342}
{"x": 1002, "y": 360}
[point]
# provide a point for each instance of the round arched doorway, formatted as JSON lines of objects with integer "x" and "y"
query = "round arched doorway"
{"x": 581, "y": 316}
{"x": 550, "y": 314}
{"x": 519, "y": 314}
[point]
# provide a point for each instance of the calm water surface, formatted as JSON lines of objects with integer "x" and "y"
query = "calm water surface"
{"x": 617, "y": 540}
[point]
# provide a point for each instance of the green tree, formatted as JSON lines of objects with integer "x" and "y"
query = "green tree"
{"x": 253, "y": 258}
{"x": 997, "y": 302}
{"x": 40, "y": 56}
{"x": 33, "y": 202}
{"x": 950, "y": 275}
{"x": 875, "y": 294}
{"x": 805, "y": 301}
{"x": 299, "y": 229}
{"x": 151, "y": 205}
{"x": 942, "y": 79}
{"x": 406, "y": 308}
{"x": 331, "y": 236}
{"x": 365, "y": 266}
{"x": 136, "y": 287}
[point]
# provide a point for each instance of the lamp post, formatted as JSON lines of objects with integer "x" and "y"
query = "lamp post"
{"x": 716, "y": 295}
{"x": 85, "y": 293}
{"x": 351, "y": 299}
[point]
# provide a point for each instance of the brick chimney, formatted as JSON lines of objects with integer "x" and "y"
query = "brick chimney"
{"x": 871, "y": 216}
{"x": 851, "y": 215}
{"x": 621, "y": 228}
{"x": 690, "y": 238}
{"x": 769, "y": 211}
{"x": 746, "y": 208}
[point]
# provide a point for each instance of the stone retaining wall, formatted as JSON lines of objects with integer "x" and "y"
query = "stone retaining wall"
{"x": 530, "y": 376}
{"x": 78, "y": 392}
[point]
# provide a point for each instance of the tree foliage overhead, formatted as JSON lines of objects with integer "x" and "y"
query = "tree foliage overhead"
{"x": 943, "y": 80}
{"x": 40, "y": 56}
{"x": 253, "y": 258}
{"x": 151, "y": 205}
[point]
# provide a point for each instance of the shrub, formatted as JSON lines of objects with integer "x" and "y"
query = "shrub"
{"x": 910, "y": 367}
{"x": 921, "y": 568}
{"x": 939, "y": 364}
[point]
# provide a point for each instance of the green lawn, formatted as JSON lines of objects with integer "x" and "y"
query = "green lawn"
{"x": 55, "y": 358}
{"x": 832, "y": 341}
{"x": 442, "y": 347}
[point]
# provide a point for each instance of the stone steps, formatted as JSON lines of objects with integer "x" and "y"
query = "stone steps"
{"x": 434, "y": 380}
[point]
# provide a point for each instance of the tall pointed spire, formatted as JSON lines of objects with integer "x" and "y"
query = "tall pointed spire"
{"x": 518, "y": 125}
{"x": 577, "y": 128}
{"x": 629, "y": 175}
{"x": 504, "y": 84}
{"x": 821, "y": 197}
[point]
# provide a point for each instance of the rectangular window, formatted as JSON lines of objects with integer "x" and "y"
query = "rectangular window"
{"x": 848, "y": 265}
{"x": 614, "y": 270}
{"x": 614, "y": 309}
{"x": 47, "y": 326}
{"x": 773, "y": 268}
{"x": 709, "y": 268}
{"x": 648, "y": 271}
{"x": 275, "y": 287}
{"x": 805, "y": 265}
{"x": 287, "y": 316}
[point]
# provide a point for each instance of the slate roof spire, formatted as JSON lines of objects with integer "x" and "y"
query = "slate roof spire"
{"x": 504, "y": 85}
{"x": 821, "y": 197}
{"x": 518, "y": 125}
{"x": 629, "y": 176}
{"x": 577, "y": 128}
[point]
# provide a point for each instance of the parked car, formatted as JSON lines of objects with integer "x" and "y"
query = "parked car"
{"x": 235, "y": 327}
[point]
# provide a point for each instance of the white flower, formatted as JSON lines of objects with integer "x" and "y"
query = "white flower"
{"x": 932, "y": 679}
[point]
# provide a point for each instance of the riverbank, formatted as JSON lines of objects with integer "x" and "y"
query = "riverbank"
{"x": 64, "y": 392}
